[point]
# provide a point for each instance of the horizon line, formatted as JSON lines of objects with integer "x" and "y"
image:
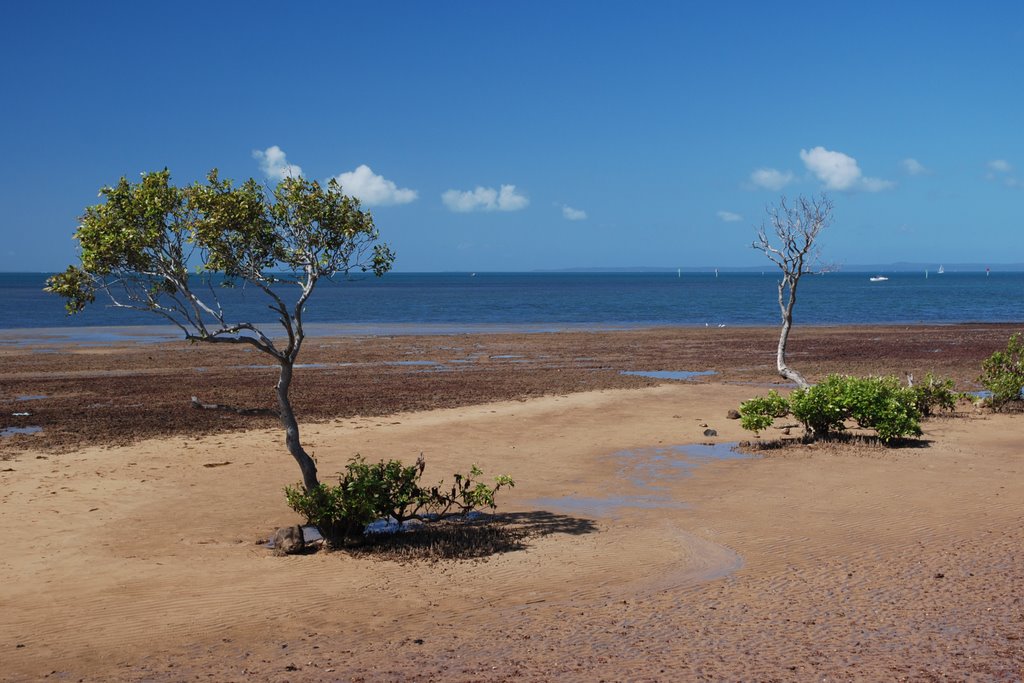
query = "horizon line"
{"x": 898, "y": 266}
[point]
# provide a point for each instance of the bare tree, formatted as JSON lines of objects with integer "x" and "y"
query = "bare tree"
{"x": 789, "y": 239}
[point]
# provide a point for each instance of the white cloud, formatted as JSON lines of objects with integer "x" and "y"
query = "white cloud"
{"x": 837, "y": 170}
{"x": 771, "y": 178}
{"x": 1001, "y": 171}
{"x": 571, "y": 214}
{"x": 275, "y": 165}
{"x": 485, "y": 199}
{"x": 373, "y": 189}
{"x": 363, "y": 183}
{"x": 729, "y": 216}
{"x": 914, "y": 167}
{"x": 463, "y": 202}
{"x": 840, "y": 171}
{"x": 510, "y": 200}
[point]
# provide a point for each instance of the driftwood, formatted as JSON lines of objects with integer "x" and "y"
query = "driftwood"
{"x": 196, "y": 403}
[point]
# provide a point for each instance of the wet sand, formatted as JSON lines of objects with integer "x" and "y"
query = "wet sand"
{"x": 116, "y": 393}
{"x": 131, "y": 558}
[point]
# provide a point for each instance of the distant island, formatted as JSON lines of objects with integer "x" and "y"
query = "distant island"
{"x": 898, "y": 267}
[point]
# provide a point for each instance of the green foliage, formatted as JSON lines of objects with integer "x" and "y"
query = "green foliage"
{"x": 370, "y": 491}
{"x": 760, "y": 412}
{"x": 139, "y": 244}
{"x": 934, "y": 394}
{"x": 339, "y": 514}
{"x": 878, "y": 403}
{"x": 1003, "y": 374}
{"x": 821, "y": 408}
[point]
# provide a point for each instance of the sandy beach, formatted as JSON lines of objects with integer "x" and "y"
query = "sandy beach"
{"x": 133, "y": 521}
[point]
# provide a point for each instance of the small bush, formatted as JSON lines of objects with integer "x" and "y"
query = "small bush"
{"x": 880, "y": 403}
{"x": 877, "y": 403}
{"x": 370, "y": 491}
{"x": 821, "y": 409}
{"x": 934, "y": 394}
{"x": 760, "y": 412}
{"x": 1003, "y": 374}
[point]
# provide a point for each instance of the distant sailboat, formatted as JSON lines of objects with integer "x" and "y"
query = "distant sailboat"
{"x": 716, "y": 272}
{"x": 679, "y": 272}
{"x": 941, "y": 270}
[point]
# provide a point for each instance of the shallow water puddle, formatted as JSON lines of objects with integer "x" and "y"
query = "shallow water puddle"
{"x": 421, "y": 365}
{"x": 31, "y": 397}
{"x": 604, "y": 507}
{"x": 11, "y": 431}
{"x": 650, "y": 470}
{"x": 985, "y": 393}
{"x": 670, "y": 374}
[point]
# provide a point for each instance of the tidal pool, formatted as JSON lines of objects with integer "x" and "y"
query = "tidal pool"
{"x": 670, "y": 374}
{"x": 642, "y": 477}
{"x": 11, "y": 431}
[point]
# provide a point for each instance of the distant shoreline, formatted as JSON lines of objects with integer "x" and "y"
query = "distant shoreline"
{"x": 950, "y": 267}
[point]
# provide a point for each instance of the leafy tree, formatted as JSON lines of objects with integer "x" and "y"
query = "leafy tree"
{"x": 789, "y": 241}
{"x": 138, "y": 246}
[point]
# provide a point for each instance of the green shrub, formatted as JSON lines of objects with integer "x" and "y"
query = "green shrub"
{"x": 877, "y": 403}
{"x": 370, "y": 491}
{"x": 934, "y": 394}
{"x": 821, "y": 409}
{"x": 1003, "y": 374}
{"x": 760, "y": 412}
{"x": 880, "y": 403}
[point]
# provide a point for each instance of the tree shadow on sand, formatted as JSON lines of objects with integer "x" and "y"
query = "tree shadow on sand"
{"x": 470, "y": 539}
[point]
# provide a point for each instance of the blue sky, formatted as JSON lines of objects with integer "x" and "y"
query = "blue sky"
{"x": 515, "y": 136}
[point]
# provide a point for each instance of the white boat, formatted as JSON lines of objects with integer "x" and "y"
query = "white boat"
{"x": 941, "y": 270}
{"x": 878, "y": 278}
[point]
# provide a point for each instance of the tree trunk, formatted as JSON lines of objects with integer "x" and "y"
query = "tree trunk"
{"x": 291, "y": 429}
{"x": 787, "y": 322}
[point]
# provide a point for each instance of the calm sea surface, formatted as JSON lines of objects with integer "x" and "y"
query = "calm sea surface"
{"x": 438, "y": 301}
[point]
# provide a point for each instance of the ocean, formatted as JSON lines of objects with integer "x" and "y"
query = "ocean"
{"x": 437, "y": 302}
